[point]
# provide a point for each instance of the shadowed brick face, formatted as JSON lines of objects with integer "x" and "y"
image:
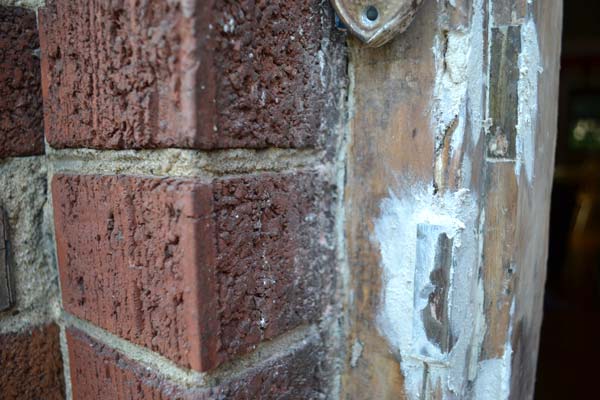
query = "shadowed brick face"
{"x": 192, "y": 74}
{"x": 269, "y": 72}
{"x": 99, "y": 372}
{"x": 21, "y": 128}
{"x": 31, "y": 365}
{"x": 199, "y": 272}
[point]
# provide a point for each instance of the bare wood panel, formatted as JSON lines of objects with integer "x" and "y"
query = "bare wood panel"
{"x": 390, "y": 133}
{"x": 498, "y": 266}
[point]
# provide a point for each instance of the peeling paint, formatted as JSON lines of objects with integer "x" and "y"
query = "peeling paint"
{"x": 459, "y": 95}
{"x": 459, "y": 64}
{"x": 530, "y": 67}
{"x": 411, "y": 223}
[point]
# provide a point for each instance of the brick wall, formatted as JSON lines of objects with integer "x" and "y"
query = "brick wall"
{"x": 30, "y": 356}
{"x": 191, "y": 161}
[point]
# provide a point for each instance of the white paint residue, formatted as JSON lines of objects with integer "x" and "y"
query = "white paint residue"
{"x": 229, "y": 25}
{"x": 458, "y": 95}
{"x": 530, "y": 68}
{"x": 460, "y": 81}
{"x": 476, "y": 76}
{"x": 451, "y": 86}
{"x": 357, "y": 349}
{"x": 493, "y": 378}
{"x": 396, "y": 233}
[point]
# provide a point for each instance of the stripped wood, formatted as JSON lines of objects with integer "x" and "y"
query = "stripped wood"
{"x": 435, "y": 247}
{"x": 448, "y": 185}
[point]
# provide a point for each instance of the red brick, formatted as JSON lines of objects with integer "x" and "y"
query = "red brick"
{"x": 199, "y": 272}
{"x": 193, "y": 74}
{"x": 31, "y": 365}
{"x": 101, "y": 373}
{"x": 21, "y": 127}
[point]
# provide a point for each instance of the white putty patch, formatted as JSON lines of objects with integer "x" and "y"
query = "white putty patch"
{"x": 460, "y": 373}
{"x": 398, "y": 320}
{"x": 529, "y": 69}
{"x": 493, "y": 376}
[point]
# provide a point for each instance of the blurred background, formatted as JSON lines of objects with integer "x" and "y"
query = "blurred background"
{"x": 570, "y": 342}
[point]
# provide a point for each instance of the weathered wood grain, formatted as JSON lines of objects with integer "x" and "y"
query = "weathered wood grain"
{"x": 504, "y": 86}
{"x": 390, "y": 133}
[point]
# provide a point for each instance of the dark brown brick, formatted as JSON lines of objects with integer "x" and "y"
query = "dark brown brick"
{"x": 199, "y": 272}
{"x": 21, "y": 127}
{"x": 31, "y": 365}
{"x": 193, "y": 74}
{"x": 99, "y": 372}
{"x": 269, "y": 74}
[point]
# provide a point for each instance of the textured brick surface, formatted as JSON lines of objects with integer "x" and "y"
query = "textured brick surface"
{"x": 269, "y": 72}
{"x": 31, "y": 365}
{"x": 199, "y": 272}
{"x": 209, "y": 74}
{"x": 21, "y": 127}
{"x": 99, "y": 372}
{"x": 113, "y": 73}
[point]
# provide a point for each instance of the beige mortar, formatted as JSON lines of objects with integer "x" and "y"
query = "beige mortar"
{"x": 181, "y": 163}
{"x": 286, "y": 343}
{"x": 33, "y": 272}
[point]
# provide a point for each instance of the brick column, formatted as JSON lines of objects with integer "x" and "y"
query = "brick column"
{"x": 30, "y": 357}
{"x": 192, "y": 154}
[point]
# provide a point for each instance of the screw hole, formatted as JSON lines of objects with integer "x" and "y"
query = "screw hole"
{"x": 372, "y": 13}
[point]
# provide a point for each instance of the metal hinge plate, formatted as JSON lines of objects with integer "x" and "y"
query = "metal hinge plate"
{"x": 6, "y": 295}
{"x": 376, "y": 22}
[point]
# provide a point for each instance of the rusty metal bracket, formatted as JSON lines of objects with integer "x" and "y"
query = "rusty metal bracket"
{"x": 376, "y": 22}
{"x": 6, "y": 294}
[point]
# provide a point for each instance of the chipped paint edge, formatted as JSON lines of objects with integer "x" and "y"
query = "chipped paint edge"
{"x": 530, "y": 68}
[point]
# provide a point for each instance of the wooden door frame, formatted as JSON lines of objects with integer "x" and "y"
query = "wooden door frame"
{"x": 449, "y": 172}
